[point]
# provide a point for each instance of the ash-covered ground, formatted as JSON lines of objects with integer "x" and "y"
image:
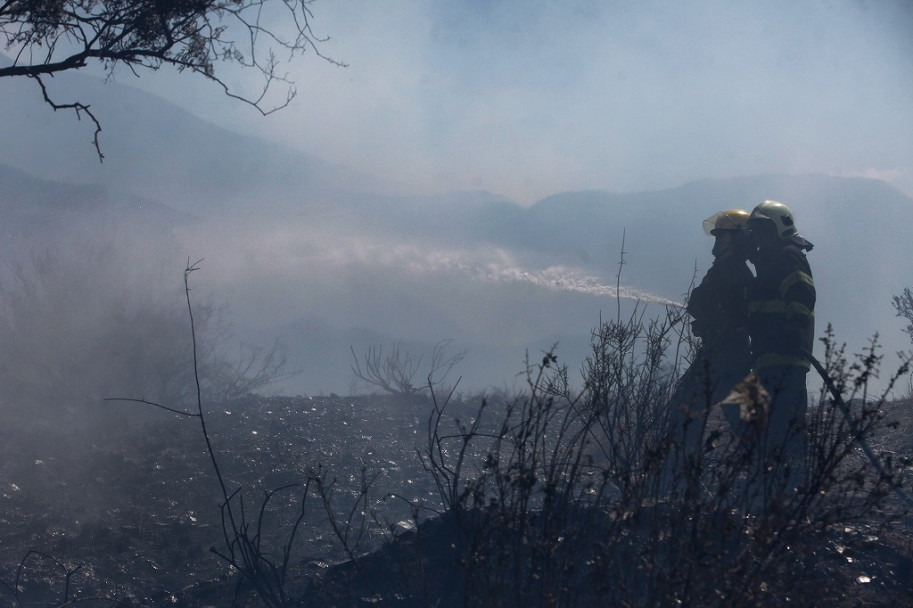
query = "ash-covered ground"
{"x": 122, "y": 504}
{"x": 128, "y": 501}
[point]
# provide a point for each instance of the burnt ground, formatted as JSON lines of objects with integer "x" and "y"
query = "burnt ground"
{"x": 124, "y": 495}
{"x": 120, "y": 502}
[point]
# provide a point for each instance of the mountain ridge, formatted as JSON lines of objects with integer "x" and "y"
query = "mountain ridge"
{"x": 288, "y": 236}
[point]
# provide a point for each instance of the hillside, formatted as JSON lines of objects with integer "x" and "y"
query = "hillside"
{"x": 471, "y": 267}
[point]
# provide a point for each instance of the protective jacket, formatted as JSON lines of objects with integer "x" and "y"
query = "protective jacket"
{"x": 781, "y": 317}
{"x": 719, "y": 306}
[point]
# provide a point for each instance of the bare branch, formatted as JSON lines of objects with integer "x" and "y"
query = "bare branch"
{"x": 46, "y": 38}
{"x": 79, "y": 108}
{"x": 395, "y": 373}
{"x": 154, "y": 404}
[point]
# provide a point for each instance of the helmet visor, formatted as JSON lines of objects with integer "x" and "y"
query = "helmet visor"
{"x": 734, "y": 219}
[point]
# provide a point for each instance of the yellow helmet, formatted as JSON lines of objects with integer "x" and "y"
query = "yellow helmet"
{"x": 734, "y": 219}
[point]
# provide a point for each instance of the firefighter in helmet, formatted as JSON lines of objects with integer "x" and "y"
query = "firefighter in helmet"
{"x": 781, "y": 323}
{"x": 719, "y": 304}
{"x": 719, "y": 307}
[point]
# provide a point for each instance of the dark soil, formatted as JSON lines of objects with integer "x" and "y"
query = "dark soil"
{"x": 127, "y": 499}
{"x": 121, "y": 504}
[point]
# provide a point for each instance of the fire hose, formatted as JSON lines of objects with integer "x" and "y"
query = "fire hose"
{"x": 845, "y": 408}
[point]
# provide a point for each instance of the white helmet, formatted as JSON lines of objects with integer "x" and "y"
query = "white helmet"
{"x": 783, "y": 221}
{"x": 779, "y": 214}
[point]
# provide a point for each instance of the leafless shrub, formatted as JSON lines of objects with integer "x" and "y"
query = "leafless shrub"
{"x": 265, "y": 552}
{"x": 560, "y": 500}
{"x": 43, "y": 579}
{"x": 76, "y": 328}
{"x": 903, "y": 306}
{"x": 395, "y": 372}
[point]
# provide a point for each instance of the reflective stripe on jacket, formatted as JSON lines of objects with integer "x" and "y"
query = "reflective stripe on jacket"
{"x": 781, "y": 309}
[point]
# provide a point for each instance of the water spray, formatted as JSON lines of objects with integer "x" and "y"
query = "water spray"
{"x": 484, "y": 264}
{"x": 560, "y": 278}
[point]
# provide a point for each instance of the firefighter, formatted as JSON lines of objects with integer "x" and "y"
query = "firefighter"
{"x": 781, "y": 323}
{"x": 719, "y": 307}
{"x": 719, "y": 304}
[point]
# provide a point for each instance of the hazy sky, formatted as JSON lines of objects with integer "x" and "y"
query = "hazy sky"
{"x": 528, "y": 98}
